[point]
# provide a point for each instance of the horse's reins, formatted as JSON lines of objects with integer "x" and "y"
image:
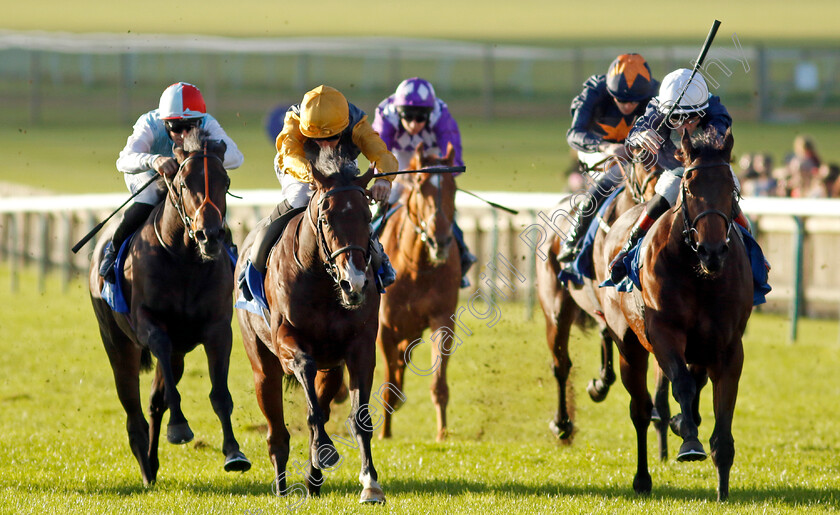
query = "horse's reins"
{"x": 323, "y": 245}
{"x": 689, "y": 226}
{"x": 178, "y": 202}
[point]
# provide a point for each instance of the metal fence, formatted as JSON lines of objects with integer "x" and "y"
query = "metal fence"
{"x": 46, "y": 75}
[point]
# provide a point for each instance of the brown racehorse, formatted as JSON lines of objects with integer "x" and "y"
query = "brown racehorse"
{"x": 565, "y": 305}
{"x": 323, "y": 315}
{"x": 418, "y": 238}
{"x": 695, "y": 299}
{"x": 178, "y": 284}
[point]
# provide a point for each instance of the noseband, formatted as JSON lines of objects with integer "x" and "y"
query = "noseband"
{"x": 177, "y": 197}
{"x": 690, "y": 226}
{"x": 330, "y": 256}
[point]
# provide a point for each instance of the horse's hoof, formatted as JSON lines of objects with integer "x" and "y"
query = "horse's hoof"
{"x": 595, "y": 393}
{"x": 654, "y": 415}
{"x": 372, "y": 495}
{"x": 179, "y": 433}
{"x": 237, "y": 462}
{"x": 642, "y": 484}
{"x": 562, "y": 431}
{"x": 691, "y": 450}
{"x": 441, "y": 435}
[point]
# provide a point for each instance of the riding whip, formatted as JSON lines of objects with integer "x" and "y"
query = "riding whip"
{"x": 435, "y": 169}
{"x": 700, "y": 58}
{"x": 101, "y": 224}
{"x": 492, "y": 204}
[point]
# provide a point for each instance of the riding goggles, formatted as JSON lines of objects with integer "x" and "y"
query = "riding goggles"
{"x": 179, "y": 126}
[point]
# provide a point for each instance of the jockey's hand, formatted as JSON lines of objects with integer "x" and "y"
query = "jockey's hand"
{"x": 165, "y": 166}
{"x": 380, "y": 190}
{"x": 613, "y": 149}
{"x": 649, "y": 140}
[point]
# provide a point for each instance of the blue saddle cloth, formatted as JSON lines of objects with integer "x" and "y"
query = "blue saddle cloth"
{"x": 254, "y": 299}
{"x": 758, "y": 263}
{"x": 581, "y": 267}
{"x": 113, "y": 294}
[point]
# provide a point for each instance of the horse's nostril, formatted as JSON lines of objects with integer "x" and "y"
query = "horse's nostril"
{"x": 345, "y": 286}
{"x": 200, "y": 236}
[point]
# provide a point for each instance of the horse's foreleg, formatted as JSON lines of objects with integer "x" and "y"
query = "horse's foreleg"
{"x": 394, "y": 362}
{"x": 217, "y": 348}
{"x": 701, "y": 377}
{"x": 321, "y": 449}
{"x": 360, "y": 365}
{"x": 557, "y": 328}
{"x": 327, "y": 385}
{"x": 633, "y": 366}
{"x": 722, "y": 444}
{"x": 662, "y": 410}
{"x": 685, "y": 393}
{"x": 599, "y": 388}
{"x": 178, "y": 430}
{"x": 125, "y": 363}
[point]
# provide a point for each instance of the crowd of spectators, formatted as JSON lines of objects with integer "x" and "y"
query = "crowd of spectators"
{"x": 802, "y": 175}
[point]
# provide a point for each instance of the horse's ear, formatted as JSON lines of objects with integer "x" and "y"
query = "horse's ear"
{"x": 365, "y": 178}
{"x": 728, "y": 142}
{"x": 450, "y": 153}
{"x": 684, "y": 154}
{"x": 219, "y": 148}
{"x": 418, "y": 151}
{"x": 179, "y": 154}
{"x": 317, "y": 176}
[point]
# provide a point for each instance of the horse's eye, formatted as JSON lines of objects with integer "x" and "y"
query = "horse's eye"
{"x": 688, "y": 174}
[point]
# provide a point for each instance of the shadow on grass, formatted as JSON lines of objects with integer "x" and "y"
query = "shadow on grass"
{"x": 251, "y": 486}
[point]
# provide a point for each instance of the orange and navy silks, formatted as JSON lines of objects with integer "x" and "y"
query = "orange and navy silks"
{"x": 596, "y": 118}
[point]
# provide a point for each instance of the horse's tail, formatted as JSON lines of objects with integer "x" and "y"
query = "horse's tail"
{"x": 146, "y": 360}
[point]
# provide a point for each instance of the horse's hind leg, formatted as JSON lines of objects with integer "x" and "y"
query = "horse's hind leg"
{"x": 661, "y": 412}
{"x": 599, "y": 388}
{"x": 125, "y": 362}
{"x": 633, "y": 366}
{"x": 557, "y": 330}
{"x": 725, "y": 381}
{"x": 439, "y": 388}
{"x": 394, "y": 363}
{"x": 218, "y": 360}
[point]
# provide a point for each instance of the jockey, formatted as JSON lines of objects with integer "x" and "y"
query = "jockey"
{"x": 697, "y": 109}
{"x": 414, "y": 115}
{"x": 602, "y": 115}
{"x": 325, "y": 119}
{"x": 149, "y": 151}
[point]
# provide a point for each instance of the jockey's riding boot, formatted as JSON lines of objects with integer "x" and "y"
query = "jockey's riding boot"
{"x": 586, "y": 210}
{"x": 132, "y": 219}
{"x": 382, "y": 269}
{"x": 267, "y": 234}
{"x": 468, "y": 259}
{"x": 655, "y": 207}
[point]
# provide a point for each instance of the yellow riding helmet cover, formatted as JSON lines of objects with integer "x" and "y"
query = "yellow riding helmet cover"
{"x": 323, "y": 113}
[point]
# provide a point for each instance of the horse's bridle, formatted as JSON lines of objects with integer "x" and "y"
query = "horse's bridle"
{"x": 689, "y": 226}
{"x": 421, "y": 226}
{"x": 330, "y": 256}
{"x": 177, "y": 198}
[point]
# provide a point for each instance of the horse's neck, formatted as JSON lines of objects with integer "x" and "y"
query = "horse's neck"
{"x": 170, "y": 227}
{"x": 305, "y": 245}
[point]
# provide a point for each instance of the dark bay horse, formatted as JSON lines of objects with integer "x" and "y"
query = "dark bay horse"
{"x": 695, "y": 299}
{"x": 418, "y": 238}
{"x": 178, "y": 284}
{"x": 564, "y": 305}
{"x": 323, "y": 306}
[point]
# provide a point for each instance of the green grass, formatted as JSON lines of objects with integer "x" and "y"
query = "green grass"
{"x": 65, "y": 447}
{"x": 504, "y": 154}
{"x": 611, "y": 23}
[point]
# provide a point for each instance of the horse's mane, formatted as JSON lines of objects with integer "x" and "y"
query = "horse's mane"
{"x": 332, "y": 163}
{"x": 196, "y": 140}
{"x": 707, "y": 142}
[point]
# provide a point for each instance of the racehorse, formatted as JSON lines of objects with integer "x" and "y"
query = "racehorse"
{"x": 323, "y": 307}
{"x": 178, "y": 285}
{"x": 419, "y": 240}
{"x": 695, "y": 299}
{"x": 565, "y": 304}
